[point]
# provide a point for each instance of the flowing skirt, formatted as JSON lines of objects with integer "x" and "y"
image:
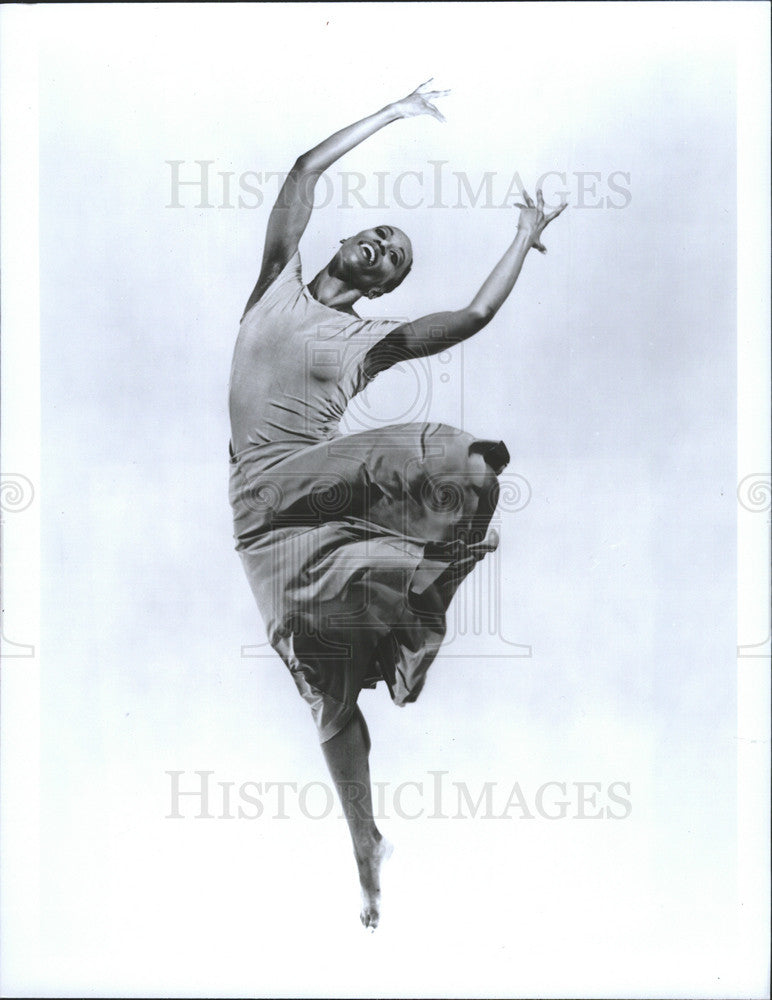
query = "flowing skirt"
{"x": 354, "y": 548}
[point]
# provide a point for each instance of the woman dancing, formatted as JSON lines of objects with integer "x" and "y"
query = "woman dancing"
{"x": 354, "y": 545}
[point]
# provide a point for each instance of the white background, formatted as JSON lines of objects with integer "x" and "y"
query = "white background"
{"x": 611, "y": 374}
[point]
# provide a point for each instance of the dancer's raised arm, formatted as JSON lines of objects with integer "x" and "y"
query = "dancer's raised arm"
{"x": 289, "y": 216}
{"x": 439, "y": 331}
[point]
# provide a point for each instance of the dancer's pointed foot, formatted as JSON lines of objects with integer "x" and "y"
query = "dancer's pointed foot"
{"x": 489, "y": 544}
{"x": 370, "y": 881}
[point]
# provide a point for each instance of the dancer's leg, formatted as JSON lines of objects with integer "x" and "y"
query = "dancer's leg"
{"x": 347, "y": 758}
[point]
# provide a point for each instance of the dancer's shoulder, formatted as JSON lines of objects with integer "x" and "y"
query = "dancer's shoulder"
{"x": 276, "y": 278}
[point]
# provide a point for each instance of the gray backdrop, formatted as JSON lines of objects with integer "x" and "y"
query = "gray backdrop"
{"x": 611, "y": 375}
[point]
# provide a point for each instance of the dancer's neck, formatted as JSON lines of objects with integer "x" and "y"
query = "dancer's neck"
{"x": 333, "y": 292}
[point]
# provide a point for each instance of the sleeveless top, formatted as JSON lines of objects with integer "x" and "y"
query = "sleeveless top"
{"x": 278, "y": 403}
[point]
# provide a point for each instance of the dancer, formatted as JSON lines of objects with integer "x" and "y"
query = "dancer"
{"x": 354, "y": 545}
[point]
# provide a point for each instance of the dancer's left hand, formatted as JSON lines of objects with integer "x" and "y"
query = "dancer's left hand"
{"x": 533, "y": 219}
{"x": 419, "y": 102}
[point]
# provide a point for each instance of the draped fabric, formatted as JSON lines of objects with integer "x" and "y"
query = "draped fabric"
{"x": 353, "y": 545}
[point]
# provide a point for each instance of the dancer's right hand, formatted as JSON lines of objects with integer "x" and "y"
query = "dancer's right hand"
{"x": 419, "y": 102}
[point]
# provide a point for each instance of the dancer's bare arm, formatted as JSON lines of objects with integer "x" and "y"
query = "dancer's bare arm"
{"x": 439, "y": 331}
{"x": 289, "y": 216}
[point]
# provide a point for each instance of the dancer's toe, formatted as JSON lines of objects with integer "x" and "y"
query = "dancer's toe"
{"x": 489, "y": 544}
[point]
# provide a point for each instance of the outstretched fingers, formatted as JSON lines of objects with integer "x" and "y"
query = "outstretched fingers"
{"x": 556, "y": 213}
{"x": 429, "y": 93}
{"x": 420, "y": 102}
{"x": 533, "y": 219}
{"x": 547, "y": 218}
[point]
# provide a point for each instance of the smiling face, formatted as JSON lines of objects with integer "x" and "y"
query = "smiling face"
{"x": 374, "y": 261}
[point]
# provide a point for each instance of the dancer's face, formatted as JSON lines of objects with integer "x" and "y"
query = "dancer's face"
{"x": 373, "y": 260}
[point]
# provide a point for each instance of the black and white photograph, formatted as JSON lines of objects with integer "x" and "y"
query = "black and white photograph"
{"x": 385, "y": 500}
